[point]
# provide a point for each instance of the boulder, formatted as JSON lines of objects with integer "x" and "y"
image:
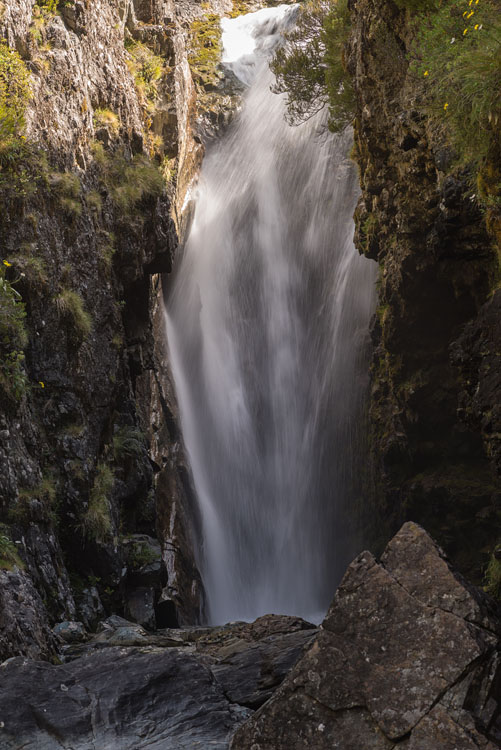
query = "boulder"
{"x": 71, "y": 632}
{"x": 408, "y": 655}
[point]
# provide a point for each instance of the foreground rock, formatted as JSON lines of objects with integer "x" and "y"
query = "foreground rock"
{"x": 408, "y": 657}
{"x": 129, "y": 690}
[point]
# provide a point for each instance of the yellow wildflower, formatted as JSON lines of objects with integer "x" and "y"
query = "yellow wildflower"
{"x": 476, "y": 26}
{"x": 465, "y": 32}
{"x": 465, "y": 13}
{"x": 426, "y": 73}
{"x": 470, "y": 14}
{"x": 6, "y": 263}
{"x": 42, "y": 384}
{"x": 445, "y": 106}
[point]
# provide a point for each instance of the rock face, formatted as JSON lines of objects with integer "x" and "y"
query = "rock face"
{"x": 434, "y": 421}
{"x": 90, "y": 453}
{"x": 408, "y": 656}
{"x": 127, "y": 692}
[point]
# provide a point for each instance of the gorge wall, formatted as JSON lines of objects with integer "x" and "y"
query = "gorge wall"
{"x": 436, "y": 389}
{"x": 93, "y": 470}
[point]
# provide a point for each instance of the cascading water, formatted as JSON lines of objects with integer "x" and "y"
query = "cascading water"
{"x": 267, "y": 321}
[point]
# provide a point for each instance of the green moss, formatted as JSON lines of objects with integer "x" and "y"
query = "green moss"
{"x": 205, "y": 49}
{"x": 128, "y": 441}
{"x": 94, "y": 200}
{"x": 70, "y": 308}
{"x": 128, "y": 181}
{"x": 96, "y": 522}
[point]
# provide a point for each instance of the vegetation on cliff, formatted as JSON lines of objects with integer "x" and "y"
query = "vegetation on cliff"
{"x": 310, "y": 65}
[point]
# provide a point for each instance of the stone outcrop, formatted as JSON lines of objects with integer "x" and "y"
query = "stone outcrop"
{"x": 131, "y": 690}
{"x": 434, "y": 424}
{"x": 407, "y": 657}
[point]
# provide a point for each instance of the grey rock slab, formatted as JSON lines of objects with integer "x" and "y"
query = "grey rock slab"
{"x": 251, "y": 672}
{"x": 118, "y": 699}
{"x": 422, "y": 568}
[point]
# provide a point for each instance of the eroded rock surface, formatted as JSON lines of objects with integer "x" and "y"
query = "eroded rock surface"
{"x": 408, "y": 656}
{"x": 127, "y": 689}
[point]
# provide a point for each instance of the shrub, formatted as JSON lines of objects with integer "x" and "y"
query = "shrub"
{"x": 309, "y": 67}
{"x": 146, "y": 68}
{"x": 96, "y": 521}
{"x": 68, "y": 189}
{"x": 70, "y": 307}
{"x": 94, "y": 200}
{"x": 105, "y": 118}
{"x": 128, "y": 181}
{"x": 457, "y": 55}
{"x": 127, "y": 441}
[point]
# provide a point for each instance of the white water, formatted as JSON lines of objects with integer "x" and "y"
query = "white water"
{"x": 267, "y": 324}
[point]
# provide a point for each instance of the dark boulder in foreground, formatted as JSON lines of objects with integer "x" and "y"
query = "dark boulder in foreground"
{"x": 125, "y": 689}
{"x": 408, "y": 657}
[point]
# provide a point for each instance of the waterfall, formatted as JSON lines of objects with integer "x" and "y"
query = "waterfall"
{"x": 267, "y": 320}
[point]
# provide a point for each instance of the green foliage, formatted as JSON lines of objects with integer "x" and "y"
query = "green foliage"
{"x": 309, "y": 67}
{"x": 128, "y": 181}
{"x": 105, "y": 118}
{"x": 298, "y": 64}
{"x": 127, "y": 441}
{"x": 492, "y": 582}
{"x": 67, "y": 187}
{"x": 31, "y": 269}
{"x": 8, "y": 553}
{"x": 36, "y": 502}
{"x": 140, "y": 554}
{"x": 70, "y": 308}
{"x": 339, "y": 86}
{"x": 94, "y": 200}
{"x": 146, "y": 68}
{"x": 22, "y": 166}
{"x": 205, "y": 49}
{"x": 13, "y": 339}
{"x": 457, "y": 55}
{"x": 96, "y": 522}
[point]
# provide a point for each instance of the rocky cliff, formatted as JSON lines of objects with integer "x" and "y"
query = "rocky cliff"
{"x": 101, "y": 139}
{"x": 436, "y": 388}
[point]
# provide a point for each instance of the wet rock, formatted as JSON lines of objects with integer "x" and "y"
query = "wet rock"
{"x": 399, "y": 660}
{"x": 71, "y": 632}
{"x": 140, "y": 606}
{"x": 250, "y": 673}
{"x": 121, "y": 699}
{"x": 24, "y": 626}
{"x": 90, "y": 608}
